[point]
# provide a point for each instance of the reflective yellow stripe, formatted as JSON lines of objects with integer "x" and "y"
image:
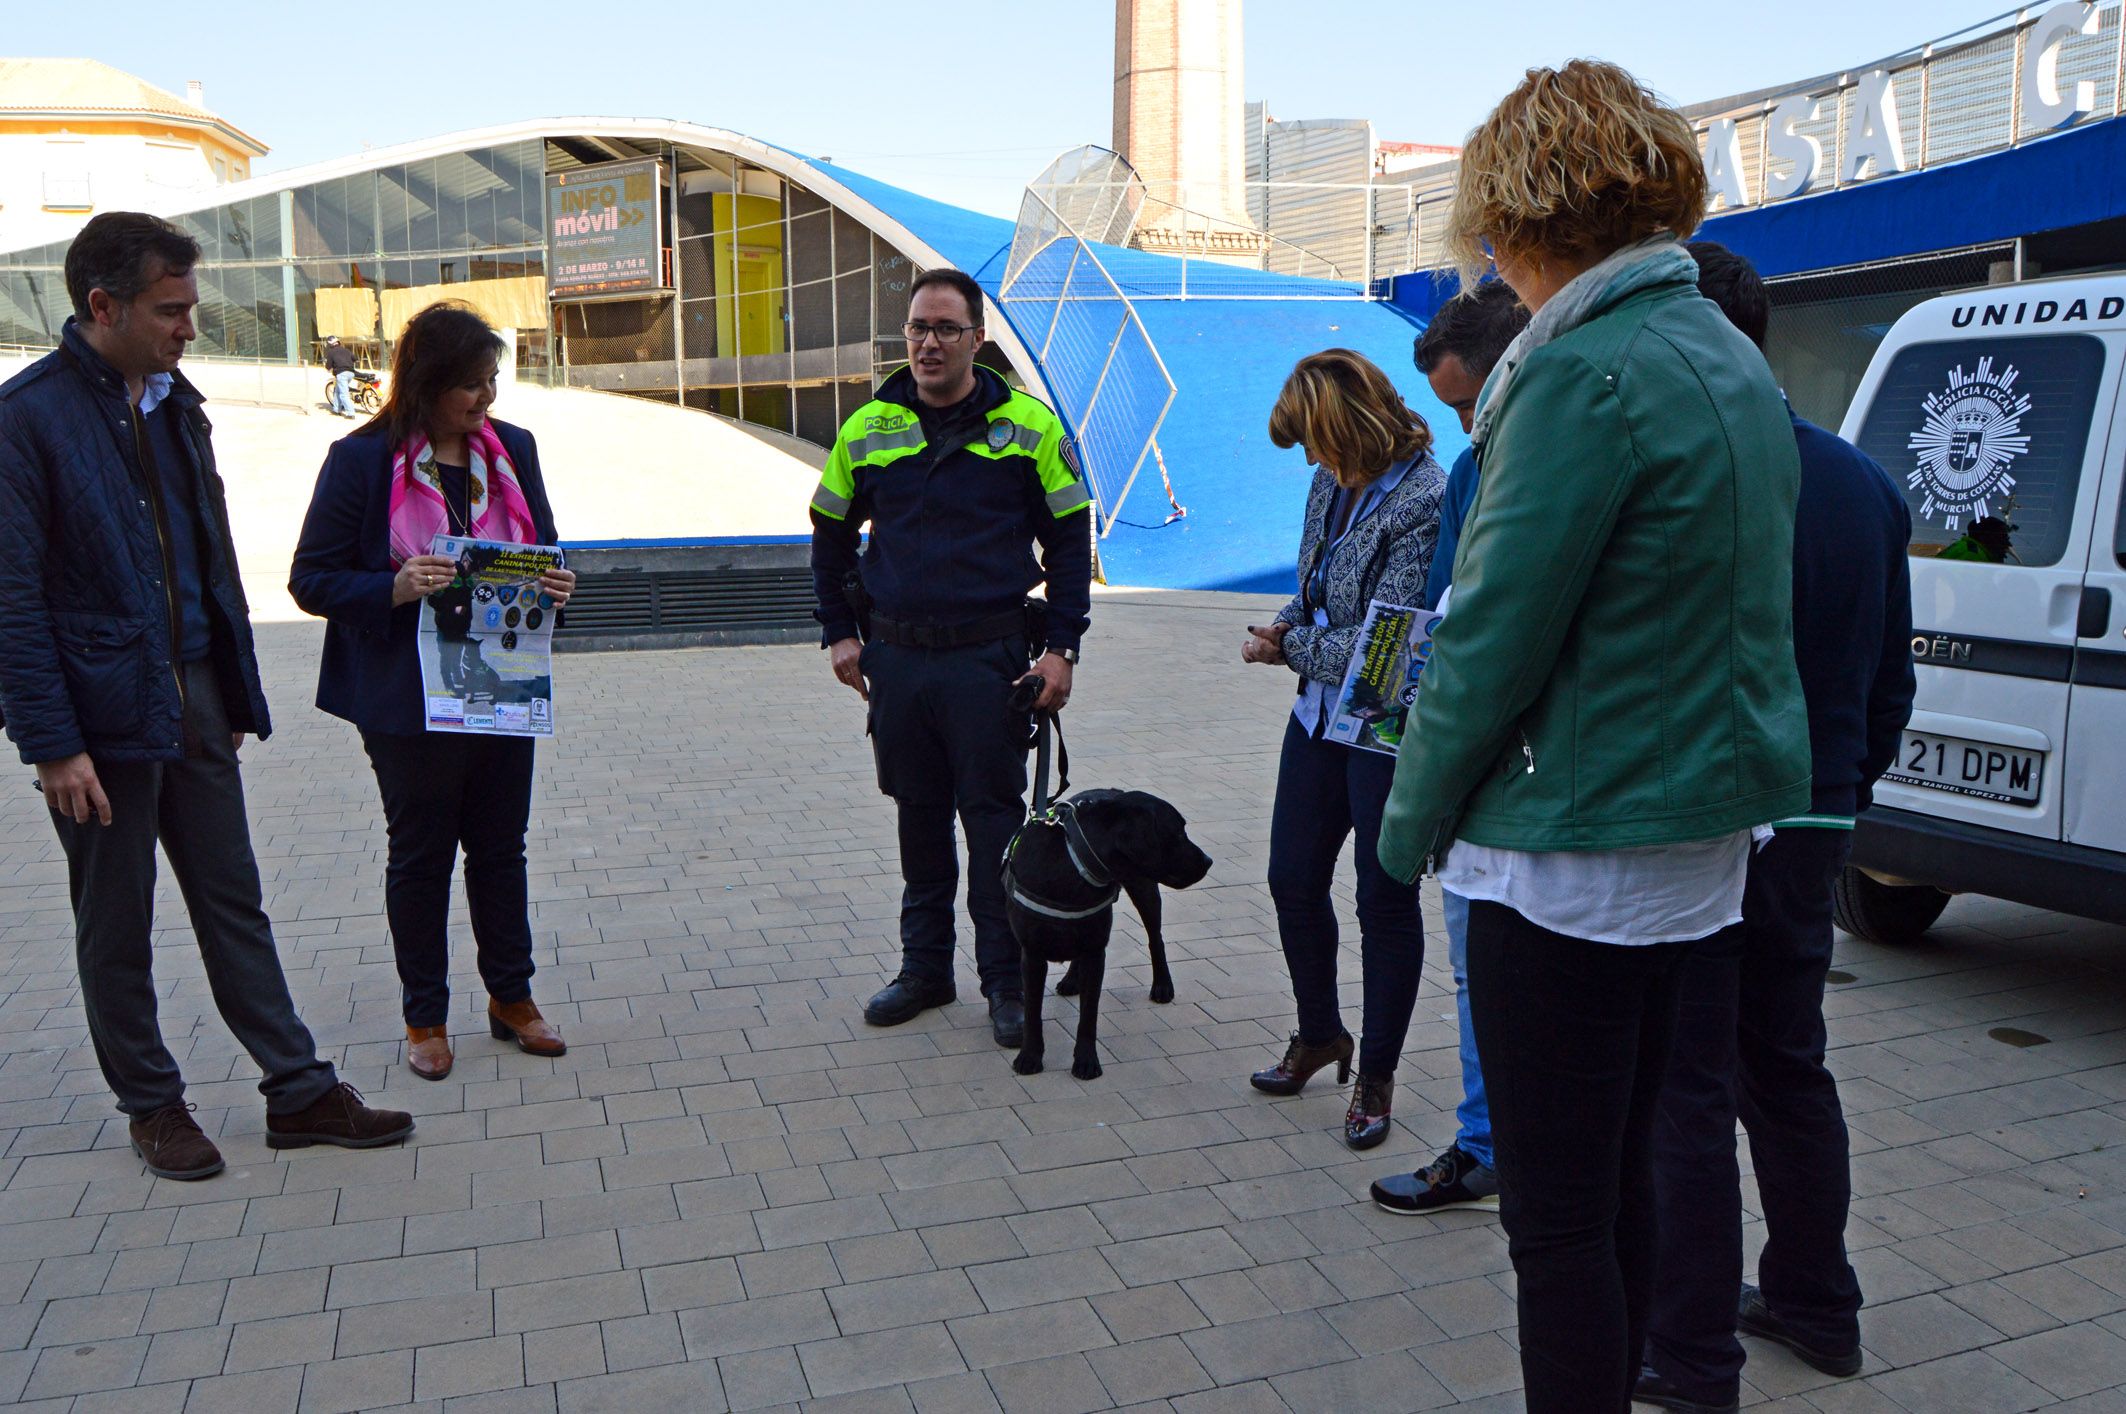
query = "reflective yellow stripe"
{"x": 827, "y": 503}
{"x": 1065, "y": 499}
{"x": 864, "y": 448}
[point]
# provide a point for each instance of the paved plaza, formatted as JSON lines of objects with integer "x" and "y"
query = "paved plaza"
{"x": 731, "y": 1194}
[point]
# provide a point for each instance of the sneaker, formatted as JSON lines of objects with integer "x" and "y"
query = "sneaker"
{"x": 1754, "y": 1316}
{"x": 171, "y": 1144}
{"x": 1453, "y": 1180}
{"x": 339, "y": 1118}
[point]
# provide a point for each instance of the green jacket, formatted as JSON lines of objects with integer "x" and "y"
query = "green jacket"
{"x": 1617, "y": 663}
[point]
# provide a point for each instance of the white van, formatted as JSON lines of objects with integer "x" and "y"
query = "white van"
{"x": 1998, "y": 413}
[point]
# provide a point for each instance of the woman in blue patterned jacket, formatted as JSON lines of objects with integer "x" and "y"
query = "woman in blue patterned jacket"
{"x": 1372, "y": 521}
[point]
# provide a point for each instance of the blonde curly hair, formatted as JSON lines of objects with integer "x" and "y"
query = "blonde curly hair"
{"x": 1574, "y": 164}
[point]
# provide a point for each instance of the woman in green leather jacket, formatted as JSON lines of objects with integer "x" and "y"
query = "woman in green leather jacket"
{"x": 1612, "y": 702}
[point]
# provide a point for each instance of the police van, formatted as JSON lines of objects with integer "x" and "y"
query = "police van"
{"x": 1998, "y": 412}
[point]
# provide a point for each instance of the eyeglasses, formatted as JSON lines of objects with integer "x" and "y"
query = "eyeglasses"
{"x": 947, "y": 334}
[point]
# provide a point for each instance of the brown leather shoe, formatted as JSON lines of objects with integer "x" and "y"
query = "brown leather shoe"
{"x": 1372, "y": 1102}
{"x": 428, "y": 1051}
{"x": 521, "y": 1022}
{"x": 171, "y": 1144}
{"x": 1290, "y": 1075}
{"x": 339, "y": 1118}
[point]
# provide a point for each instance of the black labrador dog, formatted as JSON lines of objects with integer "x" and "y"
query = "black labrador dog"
{"x": 1061, "y": 876}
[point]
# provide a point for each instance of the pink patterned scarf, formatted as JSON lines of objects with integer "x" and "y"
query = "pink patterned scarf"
{"x": 419, "y": 513}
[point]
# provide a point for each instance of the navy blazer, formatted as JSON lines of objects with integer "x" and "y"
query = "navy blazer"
{"x": 343, "y": 572}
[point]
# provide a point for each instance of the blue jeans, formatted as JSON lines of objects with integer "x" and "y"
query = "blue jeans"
{"x": 1474, "y": 1113}
{"x": 1325, "y": 792}
{"x": 342, "y": 390}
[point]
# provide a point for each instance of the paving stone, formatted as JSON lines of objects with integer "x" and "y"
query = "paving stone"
{"x": 289, "y": 1340}
{"x": 693, "y": 1387}
{"x": 363, "y": 1382}
{"x": 402, "y": 1325}
{"x": 1274, "y": 1345}
{"x": 79, "y": 1369}
{"x": 756, "y": 1379}
{"x": 860, "y": 1362}
{"x": 756, "y": 1325}
{"x": 1028, "y": 1333}
{"x": 2073, "y": 1361}
{"x": 730, "y": 1184}
{"x": 1063, "y": 1385}
{"x": 468, "y": 1367}
{"x": 263, "y": 1392}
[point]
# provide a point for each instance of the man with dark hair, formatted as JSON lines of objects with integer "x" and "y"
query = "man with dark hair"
{"x": 1751, "y": 1037}
{"x": 339, "y": 362}
{"x": 128, "y": 679}
{"x": 960, "y": 476}
{"x": 1456, "y": 353}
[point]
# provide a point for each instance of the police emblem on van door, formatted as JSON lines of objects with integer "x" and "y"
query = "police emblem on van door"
{"x": 1971, "y": 436}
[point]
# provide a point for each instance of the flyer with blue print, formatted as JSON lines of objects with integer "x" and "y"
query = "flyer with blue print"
{"x": 486, "y": 641}
{"x": 1380, "y": 686}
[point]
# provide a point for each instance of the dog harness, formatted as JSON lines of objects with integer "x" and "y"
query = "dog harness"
{"x": 1062, "y": 815}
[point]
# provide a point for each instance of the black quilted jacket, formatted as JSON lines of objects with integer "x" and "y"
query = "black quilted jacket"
{"x": 87, "y": 660}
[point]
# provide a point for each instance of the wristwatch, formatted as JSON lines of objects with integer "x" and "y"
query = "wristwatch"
{"x": 1068, "y": 655}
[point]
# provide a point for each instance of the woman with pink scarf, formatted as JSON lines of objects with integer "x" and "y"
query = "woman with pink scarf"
{"x": 432, "y": 462}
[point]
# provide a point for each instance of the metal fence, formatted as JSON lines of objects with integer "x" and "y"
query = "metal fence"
{"x": 1213, "y": 243}
{"x": 1099, "y": 363}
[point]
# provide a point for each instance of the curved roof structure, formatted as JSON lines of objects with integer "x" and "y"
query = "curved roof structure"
{"x": 1227, "y": 346}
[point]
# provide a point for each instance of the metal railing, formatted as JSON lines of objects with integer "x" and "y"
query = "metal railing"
{"x": 1108, "y": 380}
{"x": 1960, "y": 95}
{"x": 1332, "y": 236}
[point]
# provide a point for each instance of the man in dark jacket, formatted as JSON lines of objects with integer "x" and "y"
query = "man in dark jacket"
{"x": 339, "y": 362}
{"x": 1752, "y": 1033}
{"x": 128, "y": 679}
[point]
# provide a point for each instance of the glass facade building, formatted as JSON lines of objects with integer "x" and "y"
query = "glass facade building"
{"x": 777, "y": 307}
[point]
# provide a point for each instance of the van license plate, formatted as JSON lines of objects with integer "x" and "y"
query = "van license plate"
{"x": 1971, "y": 768}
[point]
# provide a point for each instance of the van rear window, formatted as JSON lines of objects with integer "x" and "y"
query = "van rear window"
{"x": 1986, "y": 439}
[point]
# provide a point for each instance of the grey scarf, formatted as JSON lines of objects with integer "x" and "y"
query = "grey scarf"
{"x": 1655, "y": 261}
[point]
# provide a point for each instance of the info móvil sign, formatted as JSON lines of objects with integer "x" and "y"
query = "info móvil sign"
{"x": 604, "y": 230}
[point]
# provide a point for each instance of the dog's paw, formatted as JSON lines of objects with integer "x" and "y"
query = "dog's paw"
{"x": 1163, "y": 991}
{"x": 1026, "y": 1064}
{"x": 1067, "y": 984}
{"x": 1085, "y": 1068}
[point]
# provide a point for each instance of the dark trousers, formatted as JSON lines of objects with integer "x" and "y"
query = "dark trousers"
{"x": 195, "y": 807}
{"x": 1324, "y": 792}
{"x": 946, "y": 742}
{"x": 1751, "y": 1036}
{"x": 1575, "y": 1038}
{"x": 444, "y": 791}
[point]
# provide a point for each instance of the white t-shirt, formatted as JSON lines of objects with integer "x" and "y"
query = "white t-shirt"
{"x": 1670, "y": 893}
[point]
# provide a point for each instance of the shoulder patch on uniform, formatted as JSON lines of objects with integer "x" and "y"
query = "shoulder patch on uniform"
{"x": 1067, "y": 449}
{"x": 1001, "y": 432}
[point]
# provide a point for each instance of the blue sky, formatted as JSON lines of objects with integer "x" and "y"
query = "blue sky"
{"x": 963, "y": 100}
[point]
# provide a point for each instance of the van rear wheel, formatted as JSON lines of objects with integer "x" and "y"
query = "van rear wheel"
{"x": 1884, "y": 913}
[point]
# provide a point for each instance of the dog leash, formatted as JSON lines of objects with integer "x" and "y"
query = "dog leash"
{"x": 1046, "y": 725}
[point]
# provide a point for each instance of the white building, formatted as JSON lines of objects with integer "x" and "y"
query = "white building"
{"x": 78, "y": 137}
